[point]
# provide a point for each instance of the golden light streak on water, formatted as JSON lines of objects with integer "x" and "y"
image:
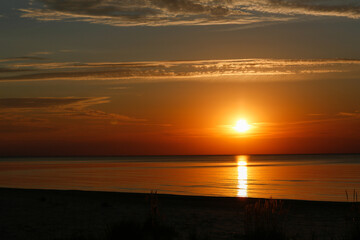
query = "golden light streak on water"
{"x": 242, "y": 175}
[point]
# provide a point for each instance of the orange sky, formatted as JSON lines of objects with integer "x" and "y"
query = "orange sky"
{"x": 289, "y": 113}
{"x": 111, "y": 77}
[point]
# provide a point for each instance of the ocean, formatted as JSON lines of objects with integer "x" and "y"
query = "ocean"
{"x": 304, "y": 177}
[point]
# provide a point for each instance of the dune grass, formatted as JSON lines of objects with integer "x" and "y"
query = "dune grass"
{"x": 353, "y": 219}
{"x": 264, "y": 220}
{"x": 153, "y": 228}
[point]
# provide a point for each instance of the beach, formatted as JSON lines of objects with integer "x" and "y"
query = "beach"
{"x": 70, "y": 214}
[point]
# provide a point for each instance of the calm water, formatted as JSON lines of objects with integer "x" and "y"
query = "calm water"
{"x": 308, "y": 177}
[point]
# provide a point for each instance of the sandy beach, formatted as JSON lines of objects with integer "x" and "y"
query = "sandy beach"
{"x": 59, "y": 214}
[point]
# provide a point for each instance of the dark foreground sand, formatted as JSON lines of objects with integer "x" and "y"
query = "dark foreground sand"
{"x": 58, "y": 214}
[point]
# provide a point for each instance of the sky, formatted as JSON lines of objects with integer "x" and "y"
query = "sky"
{"x": 173, "y": 77}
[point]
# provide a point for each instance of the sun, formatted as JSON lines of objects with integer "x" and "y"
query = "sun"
{"x": 242, "y": 126}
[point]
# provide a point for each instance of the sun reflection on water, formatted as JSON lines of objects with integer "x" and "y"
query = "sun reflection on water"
{"x": 242, "y": 175}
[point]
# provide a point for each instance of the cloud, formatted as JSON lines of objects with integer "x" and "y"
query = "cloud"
{"x": 310, "y": 128}
{"x": 119, "y": 88}
{"x": 67, "y": 51}
{"x": 97, "y": 114}
{"x": 355, "y": 114}
{"x": 22, "y": 115}
{"x": 12, "y": 70}
{"x": 185, "y": 12}
{"x": 180, "y": 70}
{"x": 315, "y": 114}
{"x": 50, "y": 102}
{"x": 335, "y": 8}
{"x": 24, "y": 58}
{"x": 144, "y": 12}
{"x": 45, "y": 65}
{"x": 315, "y": 125}
{"x": 29, "y": 112}
{"x": 40, "y": 53}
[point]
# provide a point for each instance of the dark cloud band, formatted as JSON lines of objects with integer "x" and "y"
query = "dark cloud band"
{"x": 174, "y": 70}
{"x": 185, "y": 12}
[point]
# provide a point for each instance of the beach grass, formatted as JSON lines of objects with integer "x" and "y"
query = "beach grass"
{"x": 353, "y": 218}
{"x": 264, "y": 220}
{"x": 80, "y": 215}
{"x": 153, "y": 228}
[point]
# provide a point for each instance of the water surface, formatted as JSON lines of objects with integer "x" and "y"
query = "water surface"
{"x": 307, "y": 177}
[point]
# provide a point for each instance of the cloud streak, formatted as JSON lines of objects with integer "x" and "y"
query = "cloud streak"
{"x": 185, "y": 12}
{"x": 335, "y": 8}
{"x": 176, "y": 70}
{"x": 144, "y": 12}
{"x": 50, "y": 102}
{"x": 24, "y": 58}
{"x": 43, "y": 108}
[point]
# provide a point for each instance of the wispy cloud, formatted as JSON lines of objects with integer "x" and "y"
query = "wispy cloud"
{"x": 12, "y": 70}
{"x": 40, "y": 53}
{"x": 314, "y": 125}
{"x": 50, "y": 102}
{"x": 24, "y": 58}
{"x": 119, "y": 88}
{"x": 185, "y": 12}
{"x": 355, "y": 114}
{"x": 178, "y": 70}
{"x": 17, "y": 110}
{"x": 336, "y": 8}
{"x": 144, "y": 12}
{"x": 67, "y": 51}
{"x": 43, "y": 65}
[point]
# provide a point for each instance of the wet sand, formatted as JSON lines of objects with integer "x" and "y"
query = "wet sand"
{"x": 61, "y": 214}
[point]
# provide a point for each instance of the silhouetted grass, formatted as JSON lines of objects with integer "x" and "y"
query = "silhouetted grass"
{"x": 153, "y": 228}
{"x": 264, "y": 220}
{"x": 353, "y": 219}
{"x": 154, "y": 213}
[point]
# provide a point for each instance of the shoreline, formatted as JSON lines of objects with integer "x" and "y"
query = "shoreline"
{"x": 199, "y": 197}
{"x": 168, "y": 195}
{"x": 59, "y": 214}
{"x": 179, "y": 155}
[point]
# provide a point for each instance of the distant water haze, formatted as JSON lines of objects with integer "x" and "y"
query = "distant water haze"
{"x": 305, "y": 177}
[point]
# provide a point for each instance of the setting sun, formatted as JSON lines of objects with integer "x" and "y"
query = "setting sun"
{"x": 242, "y": 126}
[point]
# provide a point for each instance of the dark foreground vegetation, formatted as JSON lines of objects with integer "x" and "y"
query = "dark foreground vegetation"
{"x": 264, "y": 219}
{"x": 75, "y": 215}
